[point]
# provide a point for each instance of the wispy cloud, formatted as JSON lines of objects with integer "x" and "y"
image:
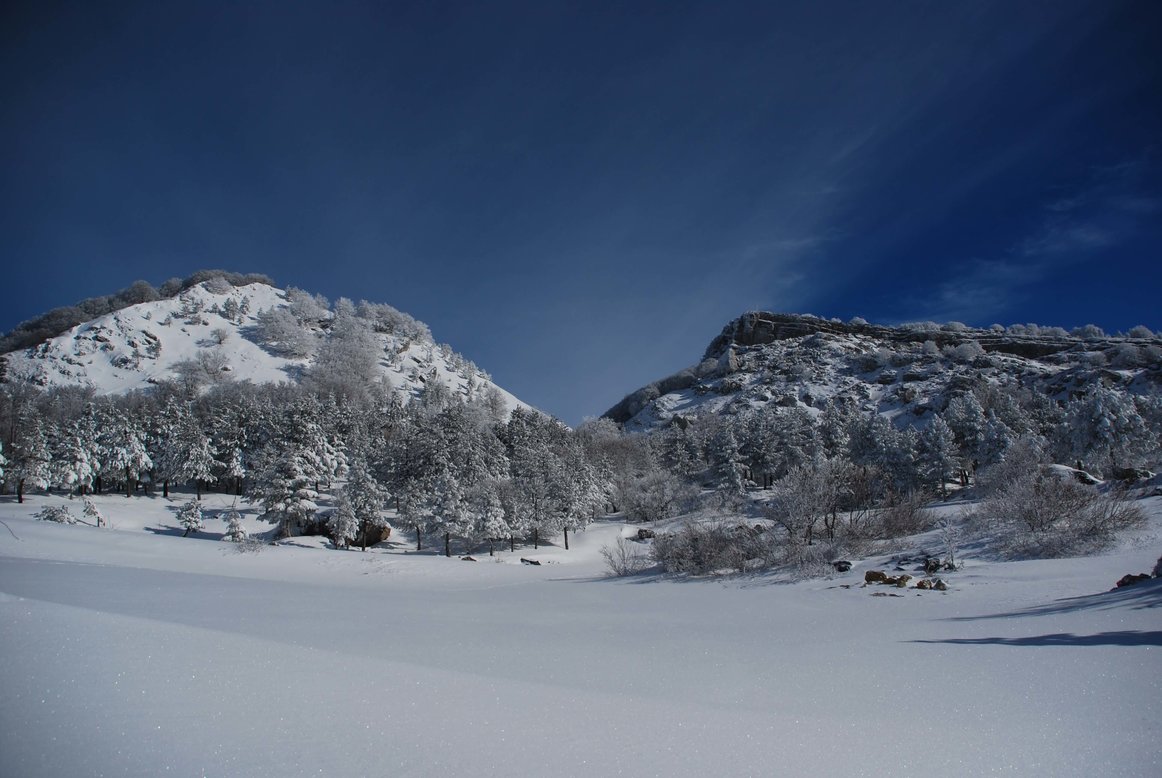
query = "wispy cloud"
{"x": 1103, "y": 213}
{"x": 1108, "y": 210}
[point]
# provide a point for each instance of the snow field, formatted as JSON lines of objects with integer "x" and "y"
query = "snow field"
{"x": 138, "y": 652}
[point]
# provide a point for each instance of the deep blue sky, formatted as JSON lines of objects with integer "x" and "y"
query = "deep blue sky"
{"x": 578, "y": 196}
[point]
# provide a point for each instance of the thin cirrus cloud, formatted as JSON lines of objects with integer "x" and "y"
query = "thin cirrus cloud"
{"x": 1110, "y": 210}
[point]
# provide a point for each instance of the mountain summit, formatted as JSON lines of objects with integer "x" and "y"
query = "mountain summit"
{"x": 215, "y": 331}
{"x": 764, "y": 359}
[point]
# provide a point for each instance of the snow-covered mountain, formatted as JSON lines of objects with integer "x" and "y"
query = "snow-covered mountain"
{"x": 787, "y": 360}
{"x": 214, "y": 332}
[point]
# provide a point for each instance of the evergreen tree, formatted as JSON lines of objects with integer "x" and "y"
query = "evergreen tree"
{"x": 124, "y": 452}
{"x": 361, "y": 501}
{"x": 30, "y": 459}
{"x": 937, "y": 452}
{"x": 74, "y": 456}
{"x": 235, "y": 532}
{"x": 93, "y": 513}
{"x": 190, "y": 517}
{"x": 1105, "y": 430}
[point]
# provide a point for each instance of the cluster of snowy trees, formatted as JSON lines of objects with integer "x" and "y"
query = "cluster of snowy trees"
{"x": 457, "y": 469}
{"x": 844, "y": 475}
{"x": 460, "y": 469}
{"x": 53, "y": 323}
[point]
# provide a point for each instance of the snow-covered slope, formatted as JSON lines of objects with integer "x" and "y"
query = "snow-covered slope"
{"x": 784, "y": 360}
{"x": 130, "y": 650}
{"x": 213, "y": 328}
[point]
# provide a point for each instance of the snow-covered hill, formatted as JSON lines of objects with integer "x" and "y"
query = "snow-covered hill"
{"x": 781, "y": 360}
{"x": 212, "y": 332}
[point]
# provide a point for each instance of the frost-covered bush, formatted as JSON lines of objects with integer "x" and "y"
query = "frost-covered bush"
{"x": 1025, "y": 455}
{"x": 218, "y": 285}
{"x": 905, "y": 516}
{"x": 58, "y": 513}
{"x": 1141, "y": 331}
{"x": 1043, "y": 514}
{"x": 280, "y": 331}
{"x": 1088, "y": 332}
{"x": 654, "y": 496}
{"x": 250, "y": 545}
{"x": 964, "y": 352}
{"x": 699, "y": 549}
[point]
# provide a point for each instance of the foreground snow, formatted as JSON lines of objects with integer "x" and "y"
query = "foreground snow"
{"x": 134, "y": 651}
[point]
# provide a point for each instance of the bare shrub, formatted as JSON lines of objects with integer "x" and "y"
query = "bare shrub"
{"x": 905, "y": 515}
{"x": 699, "y": 549}
{"x": 249, "y": 545}
{"x": 623, "y": 558}
{"x": 1041, "y": 514}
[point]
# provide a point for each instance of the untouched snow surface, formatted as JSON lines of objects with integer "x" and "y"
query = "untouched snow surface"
{"x": 133, "y": 651}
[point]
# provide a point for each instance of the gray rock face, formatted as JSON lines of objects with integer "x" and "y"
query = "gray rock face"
{"x": 764, "y": 359}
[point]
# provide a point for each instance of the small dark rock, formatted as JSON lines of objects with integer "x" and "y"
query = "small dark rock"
{"x": 842, "y": 566}
{"x": 1132, "y": 578}
{"x": 468, "y": 559}
{"x": 646, "y": 534}
{"x": 524, "y": 561}
{"x": 1131, "y": 474}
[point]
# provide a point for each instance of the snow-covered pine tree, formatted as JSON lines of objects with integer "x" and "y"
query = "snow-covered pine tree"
{"x": 1104, "y": 429}
{"x": 361, "y": 501}
{"x": 190, "y": 517}
{"x": 344, "y": 523}
{"x": 483, "y": 504}
{"x": 124, "y": 454}
{"x": 93, "y": 513}
{"x": 181, "y": 451}
{"x": 235, "y": 532}
{"x": 937, "y": 453}
{"x": 74, "y": 455}
{"x": 30, "y": 459}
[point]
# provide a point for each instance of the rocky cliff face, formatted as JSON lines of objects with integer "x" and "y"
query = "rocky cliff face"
{"x": 758, "y": 328}
{"x": 796, "y": 360}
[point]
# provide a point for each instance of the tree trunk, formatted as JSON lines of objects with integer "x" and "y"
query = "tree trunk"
{"x": 512, "y": 543}
{"x": 238, "y": 486}
{"x": 20, "y": 491}
{"x": 198, "y": 486}
{"x": 418, "y": 538}
{"x": 536, "y": 537}
{"x": 566, "y": 538}
{"x": 448, "y": 544}
{"x": 165, "y": 488}
{"x": 128, "y": 484}
{"x": 363, "y": 532}
{"x": 491, "y": 550}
